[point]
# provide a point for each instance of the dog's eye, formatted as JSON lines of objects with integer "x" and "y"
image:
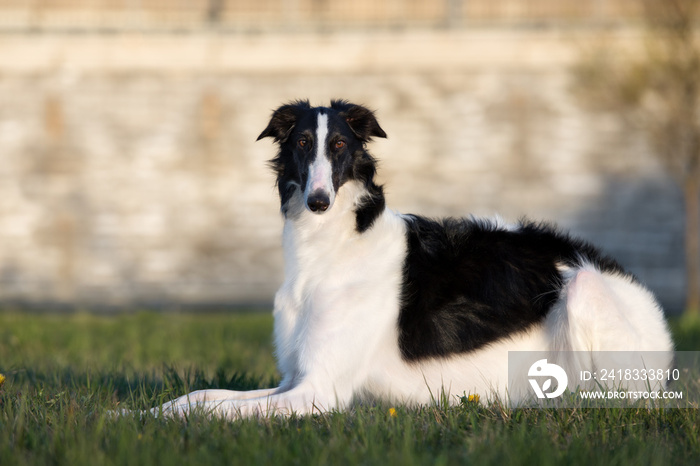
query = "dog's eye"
{"x": 302, "y": 142}
{"x": 339, "y": 144}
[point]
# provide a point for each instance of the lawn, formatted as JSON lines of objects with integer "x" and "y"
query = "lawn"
{"x": 63, "y": 373}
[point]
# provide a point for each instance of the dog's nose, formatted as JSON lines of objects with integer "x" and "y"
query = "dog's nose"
{"x": 318, "y": 202}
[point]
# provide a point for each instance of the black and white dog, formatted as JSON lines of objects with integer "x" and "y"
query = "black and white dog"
{"x": 402, "y": 308}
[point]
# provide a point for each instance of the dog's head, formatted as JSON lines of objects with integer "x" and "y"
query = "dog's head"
{"x": 320, "y": 149}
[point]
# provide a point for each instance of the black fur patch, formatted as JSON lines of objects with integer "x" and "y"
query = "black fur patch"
{"x": 373, "y": 203}
{"x": 468, "y": 283}
{"x": 361, "y": 120}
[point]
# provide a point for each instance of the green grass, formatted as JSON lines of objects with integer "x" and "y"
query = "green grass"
{"x": 65, "y": 372}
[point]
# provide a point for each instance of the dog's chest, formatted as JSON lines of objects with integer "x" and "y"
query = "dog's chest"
{"x": 340, "y": 288}
{"x": 332, "y": 267}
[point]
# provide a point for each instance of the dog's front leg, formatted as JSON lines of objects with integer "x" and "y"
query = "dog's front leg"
{"x": 201, "y": 397}
{"x": 303, "y": 399}
{"x": 330, "y": 379}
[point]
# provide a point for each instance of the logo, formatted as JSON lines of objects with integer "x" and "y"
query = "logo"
{"x": 543, "y": 369}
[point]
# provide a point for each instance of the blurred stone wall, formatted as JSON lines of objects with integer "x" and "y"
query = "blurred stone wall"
{"x": 302, "y": 15}
{"x": 130, "y": 175}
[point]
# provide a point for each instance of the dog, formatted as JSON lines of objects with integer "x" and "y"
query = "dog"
{"x": 405, "y": 309}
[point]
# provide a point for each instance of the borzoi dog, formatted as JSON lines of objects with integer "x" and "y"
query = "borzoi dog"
{"x": 402, "y": 308}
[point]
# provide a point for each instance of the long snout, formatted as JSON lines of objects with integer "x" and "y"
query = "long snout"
{"x": 319, "y": 193}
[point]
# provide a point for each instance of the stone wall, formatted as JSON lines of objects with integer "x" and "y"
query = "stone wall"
{"x": 130, "y": 175}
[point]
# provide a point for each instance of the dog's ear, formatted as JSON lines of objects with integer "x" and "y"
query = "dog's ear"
{"x": 361, "y": 120}
{"x": 283, "y": 121}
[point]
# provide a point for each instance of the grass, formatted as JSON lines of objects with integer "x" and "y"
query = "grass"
{"x": 65, "y": 372}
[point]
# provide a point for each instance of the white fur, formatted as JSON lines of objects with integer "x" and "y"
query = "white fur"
{"x": 321, "y": 170}
{"x": 336, "y": 324}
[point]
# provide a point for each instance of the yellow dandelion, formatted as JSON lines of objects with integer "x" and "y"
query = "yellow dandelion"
{"x": 2, "y": 380}
{"x": 392, "y": 412}
{"x": 473, "y": 398}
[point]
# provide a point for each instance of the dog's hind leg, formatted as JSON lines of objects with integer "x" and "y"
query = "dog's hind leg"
{"x": 607, "y": 313}
{"x": 612, "y": 312}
